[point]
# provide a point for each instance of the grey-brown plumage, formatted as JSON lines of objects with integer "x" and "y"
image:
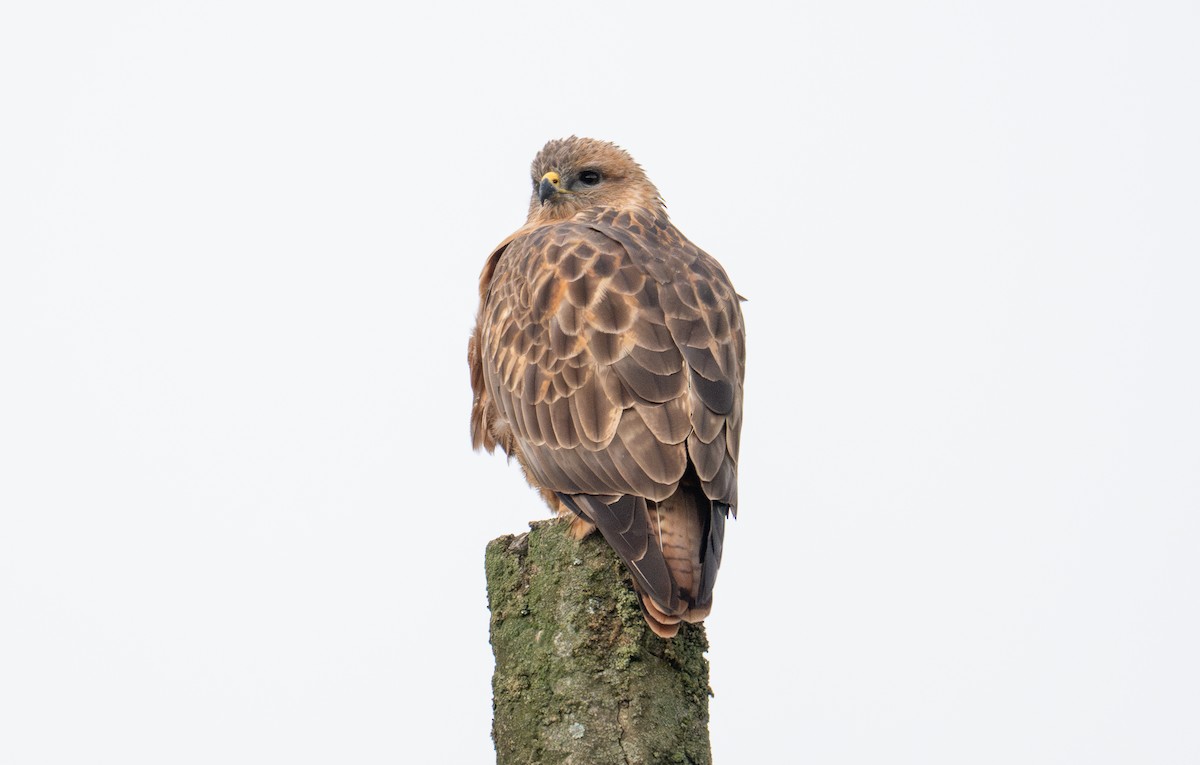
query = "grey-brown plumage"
{"x": 608, "y": 358}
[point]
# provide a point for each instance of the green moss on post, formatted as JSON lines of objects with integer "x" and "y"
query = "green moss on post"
{"x": 579, "y": 677}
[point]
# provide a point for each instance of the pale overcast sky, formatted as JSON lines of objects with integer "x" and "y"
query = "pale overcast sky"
{"x": 240, "y": 520}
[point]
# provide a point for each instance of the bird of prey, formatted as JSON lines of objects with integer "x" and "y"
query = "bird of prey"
{"x": 608, "y": 358}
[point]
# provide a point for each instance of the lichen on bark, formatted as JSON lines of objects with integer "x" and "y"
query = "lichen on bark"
{"x": 579, "y": 676}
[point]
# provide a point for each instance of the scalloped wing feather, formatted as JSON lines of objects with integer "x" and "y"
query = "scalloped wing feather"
{"x": 608, "y": 357}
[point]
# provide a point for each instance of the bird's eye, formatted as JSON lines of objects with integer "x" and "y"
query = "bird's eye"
{"x": 589, "y": 177}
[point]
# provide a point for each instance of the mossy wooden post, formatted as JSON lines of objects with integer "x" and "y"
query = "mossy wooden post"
{"x": 579, "y": 677}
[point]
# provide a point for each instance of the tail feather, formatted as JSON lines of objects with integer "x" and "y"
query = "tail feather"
{"x": 663, "y": 625}
{"x": 672, "y": 548}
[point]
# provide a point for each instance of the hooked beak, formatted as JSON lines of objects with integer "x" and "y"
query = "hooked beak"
{"x": 550, "y": 185}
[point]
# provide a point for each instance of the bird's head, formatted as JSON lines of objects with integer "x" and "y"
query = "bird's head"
{"x": 573, "y": 174}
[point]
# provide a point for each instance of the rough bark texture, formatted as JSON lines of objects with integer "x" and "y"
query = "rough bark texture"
{"x": 579, "y": 677}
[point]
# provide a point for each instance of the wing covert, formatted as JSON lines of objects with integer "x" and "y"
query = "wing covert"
{"x": 612, "y": 349}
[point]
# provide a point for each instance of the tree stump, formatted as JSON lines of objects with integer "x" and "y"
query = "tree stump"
{"x": 580, "y": 679}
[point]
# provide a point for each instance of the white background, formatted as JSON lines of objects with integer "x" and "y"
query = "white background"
{"x": 240, "y": 521}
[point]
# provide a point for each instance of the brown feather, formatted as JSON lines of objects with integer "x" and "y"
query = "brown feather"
{"x": 608, "y": 358}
